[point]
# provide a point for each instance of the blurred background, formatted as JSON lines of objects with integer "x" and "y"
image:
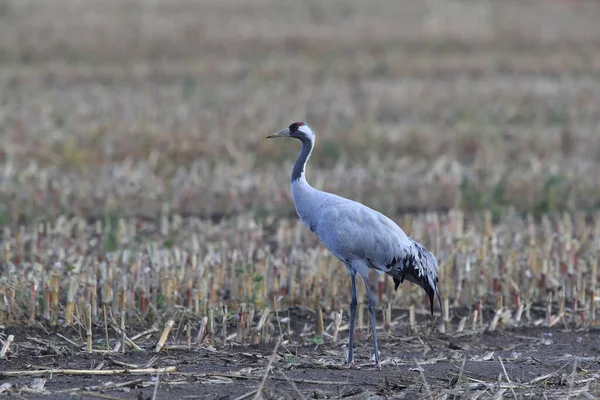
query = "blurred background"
{"x": 418, "y": 105}
{"x": 135, "y": 176}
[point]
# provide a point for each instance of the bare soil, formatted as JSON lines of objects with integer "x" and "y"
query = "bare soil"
{"x": 303, "y": 369}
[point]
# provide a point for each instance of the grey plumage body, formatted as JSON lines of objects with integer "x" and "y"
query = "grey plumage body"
{"x": 359, "y": 236}
{"x": 353, "y": 232}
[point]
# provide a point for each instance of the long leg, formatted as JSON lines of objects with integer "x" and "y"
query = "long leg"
{"x": 372, "y": 314}
{"x": 353, "y": 304}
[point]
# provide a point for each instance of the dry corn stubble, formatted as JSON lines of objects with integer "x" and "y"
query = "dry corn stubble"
{"x": 165, "y": 266}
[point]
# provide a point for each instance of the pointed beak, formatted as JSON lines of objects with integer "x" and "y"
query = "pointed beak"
{"x": 282, "y": 133}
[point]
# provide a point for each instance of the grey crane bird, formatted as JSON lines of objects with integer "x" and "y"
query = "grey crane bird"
{"x": 359, "y": 236}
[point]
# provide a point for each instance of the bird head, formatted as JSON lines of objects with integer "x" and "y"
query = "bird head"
{"x": 298, "y": 130}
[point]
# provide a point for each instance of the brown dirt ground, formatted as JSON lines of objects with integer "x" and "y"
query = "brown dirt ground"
{"x": 228, "y": 372}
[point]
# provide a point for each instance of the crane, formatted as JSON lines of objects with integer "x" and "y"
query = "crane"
{"x": 359, "y": 236}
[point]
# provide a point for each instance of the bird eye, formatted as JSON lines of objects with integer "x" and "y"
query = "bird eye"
{"x": 294, "y": 127}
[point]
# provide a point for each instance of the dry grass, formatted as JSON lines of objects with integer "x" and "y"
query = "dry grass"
{"x": 170, "y": 105}
{"x": 136, "y": 188}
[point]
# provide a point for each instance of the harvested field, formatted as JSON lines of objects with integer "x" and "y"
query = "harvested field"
{"x": 149, "y": 245}
{"x": 538, "y": 361}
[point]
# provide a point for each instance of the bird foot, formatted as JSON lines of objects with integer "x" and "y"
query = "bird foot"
{"x": 375, "y": 367}
{"x": 349, "y": 365}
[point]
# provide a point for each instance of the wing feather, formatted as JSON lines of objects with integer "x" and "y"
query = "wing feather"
{"x": 351, "y": 230}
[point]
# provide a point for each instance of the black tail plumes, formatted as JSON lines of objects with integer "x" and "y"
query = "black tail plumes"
{"x": 419, "y": 267}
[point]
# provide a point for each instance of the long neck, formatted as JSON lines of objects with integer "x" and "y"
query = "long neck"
{"x": 298, "y": 170}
